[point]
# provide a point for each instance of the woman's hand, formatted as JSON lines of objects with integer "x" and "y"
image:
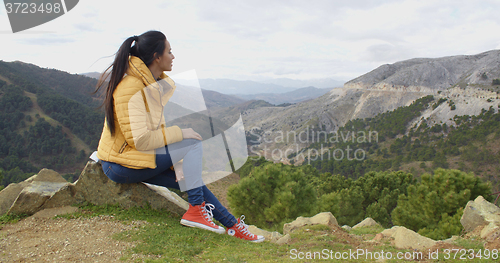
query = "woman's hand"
{"x": 179, "y": 174}
{"x": 190, "y": 134}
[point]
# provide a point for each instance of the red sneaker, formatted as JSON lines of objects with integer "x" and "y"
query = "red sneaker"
{"x": 201, "y": 217}
{"x": 240, "y": 230}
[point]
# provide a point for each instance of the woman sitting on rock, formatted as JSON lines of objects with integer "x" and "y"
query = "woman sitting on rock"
{"x": 135, "y": 145}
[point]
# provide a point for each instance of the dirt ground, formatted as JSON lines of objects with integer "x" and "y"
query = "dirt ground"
{"x": 40, "y": 238}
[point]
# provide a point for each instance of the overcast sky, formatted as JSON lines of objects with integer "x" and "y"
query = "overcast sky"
{"x": 257, "y": 39}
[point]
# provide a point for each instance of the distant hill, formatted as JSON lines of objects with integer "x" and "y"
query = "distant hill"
{"x": 325, "y": 83}
{"x": 229, "y": 115}
{"x": 94, "y": 75}
{"x": 215, "y": 99}
{"x": 72, "y": 86}
{"x": 432, "y": 74}
{"x": 49, "y": 119}
{"x": 229, "y": 86}
{"x": 294, "y": 96}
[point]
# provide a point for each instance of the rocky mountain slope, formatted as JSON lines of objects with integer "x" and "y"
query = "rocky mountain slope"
{"x": 432, "y": 74}
{"x": 465, "y": 80}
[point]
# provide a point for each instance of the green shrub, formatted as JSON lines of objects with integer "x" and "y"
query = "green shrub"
{"x": 373, "y": 195}
{"x": 433, "y": 206}
{"x": 272, "y": 195}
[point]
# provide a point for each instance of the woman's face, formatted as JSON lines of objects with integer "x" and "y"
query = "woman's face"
{"x": 165, "y": 60}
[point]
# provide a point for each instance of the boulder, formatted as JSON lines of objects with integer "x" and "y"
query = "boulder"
{"x": 346, "y": 228}
{"x": 65, "y": 196}
{"x": 367, "y": 222}
{"x": 31, "y": 199}
{"x": 481, "y": 213}
{"x": 284, "y": 239}
{"x": 407, "y": 239}
{"x": 95, "y": 187}
{"x": 325, "y": 218}
{"x": 270, "y": 236}
{"x": 390, "y": 231}
{"x": 9, "y": 195}
{"x": 48, "y": 189}
{"x": 31, "y": 194}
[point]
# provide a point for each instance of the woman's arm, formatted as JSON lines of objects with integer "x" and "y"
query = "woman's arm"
{"x": 135, "y": 120}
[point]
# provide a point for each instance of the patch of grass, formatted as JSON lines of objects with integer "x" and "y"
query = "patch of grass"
{"x": 10, "y": 219}
{"x": 319, "y": 237}
{"x": 165, "y": 240}
{"x": 475, "y": 244}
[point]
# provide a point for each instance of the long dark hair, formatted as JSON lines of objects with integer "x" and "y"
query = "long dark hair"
{"x": 147, "y": 47}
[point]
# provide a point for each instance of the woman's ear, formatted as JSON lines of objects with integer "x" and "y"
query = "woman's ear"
{"x": 157, "y": 58}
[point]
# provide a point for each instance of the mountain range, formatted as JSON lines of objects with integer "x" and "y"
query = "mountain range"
{"x": 467, "y": 81}
{"x": 226, "y": 92}
{"x": 294, "y": 96}
{"x": 247, "y": 87}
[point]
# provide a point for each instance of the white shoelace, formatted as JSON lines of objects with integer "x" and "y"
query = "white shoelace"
{"x": 208, "y": 212}
{"x": 244, "y": 227}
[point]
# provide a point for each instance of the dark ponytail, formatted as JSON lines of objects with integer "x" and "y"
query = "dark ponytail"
{"x": 147, "y": 47}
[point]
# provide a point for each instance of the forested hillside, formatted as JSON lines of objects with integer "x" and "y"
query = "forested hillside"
{"x": 48, "y": 119}
{"x": 387, "y": 142}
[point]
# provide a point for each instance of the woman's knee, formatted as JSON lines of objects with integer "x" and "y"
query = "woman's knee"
{"x": 195, "y": 144}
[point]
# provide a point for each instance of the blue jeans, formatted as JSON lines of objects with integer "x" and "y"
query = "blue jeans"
{"x": 162, "y": 175}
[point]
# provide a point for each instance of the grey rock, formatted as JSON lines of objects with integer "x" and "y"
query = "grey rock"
{"x": 32, "y": 197}
{"x": 272, "y": 237}
{"x": 65, "y": 196}
{"x": 481, "y": 213}
{"x": 10, "y": 193}
{"x": 95, "y": 187}
{"x": 324, "y": 218}
{"x": 367, "y": 222}
{"x": 390, "y": 231}
{"x": 346, "y": 228}
{"x": 407, "y": 239}
{"x": 284, "y": 240}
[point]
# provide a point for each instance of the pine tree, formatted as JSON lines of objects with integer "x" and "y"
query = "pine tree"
{"x": 372, "y": 195}
{"x": 273, "y": 194}
{"x": 436, "y": 202}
